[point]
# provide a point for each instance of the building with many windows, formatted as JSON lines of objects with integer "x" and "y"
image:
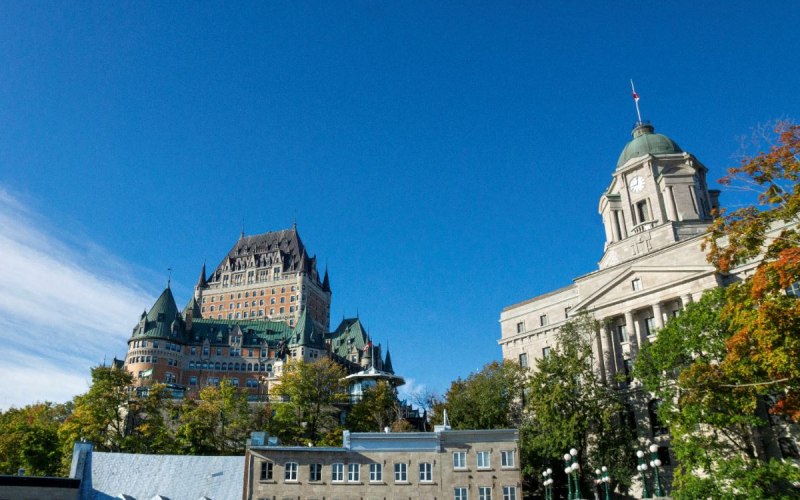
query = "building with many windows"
{"x": 264, "y": 304}
{"x": 655, "y": 212}
{"x": 462, "y": 465}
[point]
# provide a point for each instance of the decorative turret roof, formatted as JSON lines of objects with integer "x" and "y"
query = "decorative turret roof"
{"x": 306, "y": 334}
{"x": 201, "y": 281}
{"x": 387, "y": 363}
{"x": 348, "y": 335}
{"x": 326, "y": 283}
{"x": 647, "y": 142}
{"x": 192, "y": 307}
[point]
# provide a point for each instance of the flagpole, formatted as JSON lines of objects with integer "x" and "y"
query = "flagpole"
{"x": 636, "y": 101}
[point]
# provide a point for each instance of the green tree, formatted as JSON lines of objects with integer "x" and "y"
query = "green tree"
{"x": 150, "y": 418}
{"x": 716, "y": 418}
{"x": 217, "y": 423}
{"x": 569, "y": 406}
{"x": 29, "y": 438}
{"x": 378, "y": 408}
{"x": 313, "y": 391}
{"x": 765, "y": 339}
{"x": 489, "y": 399}
{"x": 99, "y": 415}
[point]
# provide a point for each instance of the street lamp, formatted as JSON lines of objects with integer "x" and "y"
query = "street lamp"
{"x": 641, "y": 468}
{"x": 571, "y": 469}
{"x": 604, "y": 479}
{"x": 548, "y": 484}
{"x": 655, "y": 463}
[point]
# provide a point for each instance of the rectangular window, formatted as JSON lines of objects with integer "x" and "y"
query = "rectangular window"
{"x": 425, "y": 472}
{"x": 337, "y": 472}
{"x": 483, "y": 460}
{"x": 315, "y": 472}
{"x": 622, "y": 333}
{"x": 523, "y": 360}
{"x": 545, "y": 352}
{"x": 520, "y": 327}
{"x": 375, "y": 473}
{"x": 509, "y": 493}
{"x": 219, "y": 351}
{"x": 193, "y": 380}
{"x": 193, "y": 350}
{"x": 460, "y": 493}
{"x": 636, "y": 285}
{"x": 642, "y": 211}
{"x": 400, "y": 473}
{"x": 650, "y": 325}
{"x": 507, "y": 458}
{"x": 543, "y": 320}
{"x": 354, "y": 473}
{"x": 290, "y": 471}
{"x": 459, "y": 459}
{"x": 484, "y": 493}
{"x": 793, "y": 290}
{"x": 266, "y": 471}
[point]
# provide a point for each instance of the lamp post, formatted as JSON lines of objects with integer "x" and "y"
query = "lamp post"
{"x": 572, "y": 467}
{"x": 567, "y": 471}
{"x": 548, "y": 484}
{"x": 606, "y": 479}
{"x": 641, "y": 468}
{"x": 655, "y": 463}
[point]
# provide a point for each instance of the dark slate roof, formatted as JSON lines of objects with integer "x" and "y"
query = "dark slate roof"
{"x": 306, "y": 334}
{"x": 326, "y": 283}
{"x": 387, "y": 363}
{"x": 350, "y": 333}
{"x": 286, "y": 241}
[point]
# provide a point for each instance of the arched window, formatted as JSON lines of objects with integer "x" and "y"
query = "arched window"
{"x": 236, "y": 367}
{"x": 269, "y": 368}
{"x": 216, "y": 365}
{"x": 249, "y": 367}
{"x": 262, "y": 367}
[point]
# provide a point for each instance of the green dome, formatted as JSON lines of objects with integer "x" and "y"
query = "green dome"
{"x": 647, "y": 142}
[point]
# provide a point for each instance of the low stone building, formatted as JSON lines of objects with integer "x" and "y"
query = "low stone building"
{"x": 469, "y": 464}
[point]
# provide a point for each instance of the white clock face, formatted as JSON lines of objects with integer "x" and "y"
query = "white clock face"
{"x": 637, "y": 184}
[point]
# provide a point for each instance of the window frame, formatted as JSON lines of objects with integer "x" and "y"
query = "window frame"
{"x": 460, "y": 460}
{"x": 505, "y": 463}
{"x": 460, "y": 493}
{"x": 267, "y": 469}
{"x": 425, "y": 472}
{"x": 488, "y": 460}
{"x": 375, "y": 473}
{"x": 400, "y": 472}
{"x": 353, "y": 473}
{"x": 509, "y": 493}
{"x": 290, "y": 472}
{"x": 484, "y": 493}
{"x": 337, "y": 467}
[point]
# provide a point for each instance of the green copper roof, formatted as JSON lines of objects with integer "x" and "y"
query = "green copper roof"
{"x": 349, "y": 334}
{"x": 647, "y": 142}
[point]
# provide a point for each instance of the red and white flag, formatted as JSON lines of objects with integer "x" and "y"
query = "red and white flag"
{"x": 368, "y": 346}
{"x": 635, "y": 96}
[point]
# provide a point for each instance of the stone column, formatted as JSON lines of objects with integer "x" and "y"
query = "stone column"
{"x": 630, "y": 327}
{"x": 658, "y": 315}
{"x": 601, "y": 351}
{"x": 609, "y": 352}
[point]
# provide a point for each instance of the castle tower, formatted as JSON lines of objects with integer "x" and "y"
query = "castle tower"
{"x": 658, "y": 196}
{"x": 266, "y": 276}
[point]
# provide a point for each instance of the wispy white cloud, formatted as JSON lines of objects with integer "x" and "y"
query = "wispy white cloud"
{"x": 65, "y": 305}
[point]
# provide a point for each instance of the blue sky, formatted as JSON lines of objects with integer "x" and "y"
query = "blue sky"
{"x": 444, "y": 160}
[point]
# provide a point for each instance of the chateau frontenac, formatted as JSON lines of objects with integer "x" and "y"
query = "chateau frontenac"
{"x": 263, "y": 304}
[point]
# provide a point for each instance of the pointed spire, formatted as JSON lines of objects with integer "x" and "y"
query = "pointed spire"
{"x": 303, "y": 261}
{"x": 387, "y": 363}
{"x": 241, "y": 235}
{"x": 201, "y": 281}
{"x": 326, "y": 283}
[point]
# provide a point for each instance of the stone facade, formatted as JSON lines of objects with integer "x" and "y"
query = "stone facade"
{"x": 480, "y": 465}
{"x": 227, "y": 330}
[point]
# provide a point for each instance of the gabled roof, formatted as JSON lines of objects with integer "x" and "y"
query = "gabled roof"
{"x": 287, "y": 242}
{"x": 192, "y": 307}
{"x": 306, "y": 334}
{"x": 350, "y": 333}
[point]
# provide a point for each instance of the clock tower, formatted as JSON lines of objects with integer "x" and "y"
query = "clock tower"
{"x": 658, "y": 196}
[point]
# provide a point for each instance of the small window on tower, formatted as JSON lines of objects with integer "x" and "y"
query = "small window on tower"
{"x": 642, "y": 211}
{"x": 520, "y": 327}
{"x": 543, "y": 320}
{"x": 636, "y": 285}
